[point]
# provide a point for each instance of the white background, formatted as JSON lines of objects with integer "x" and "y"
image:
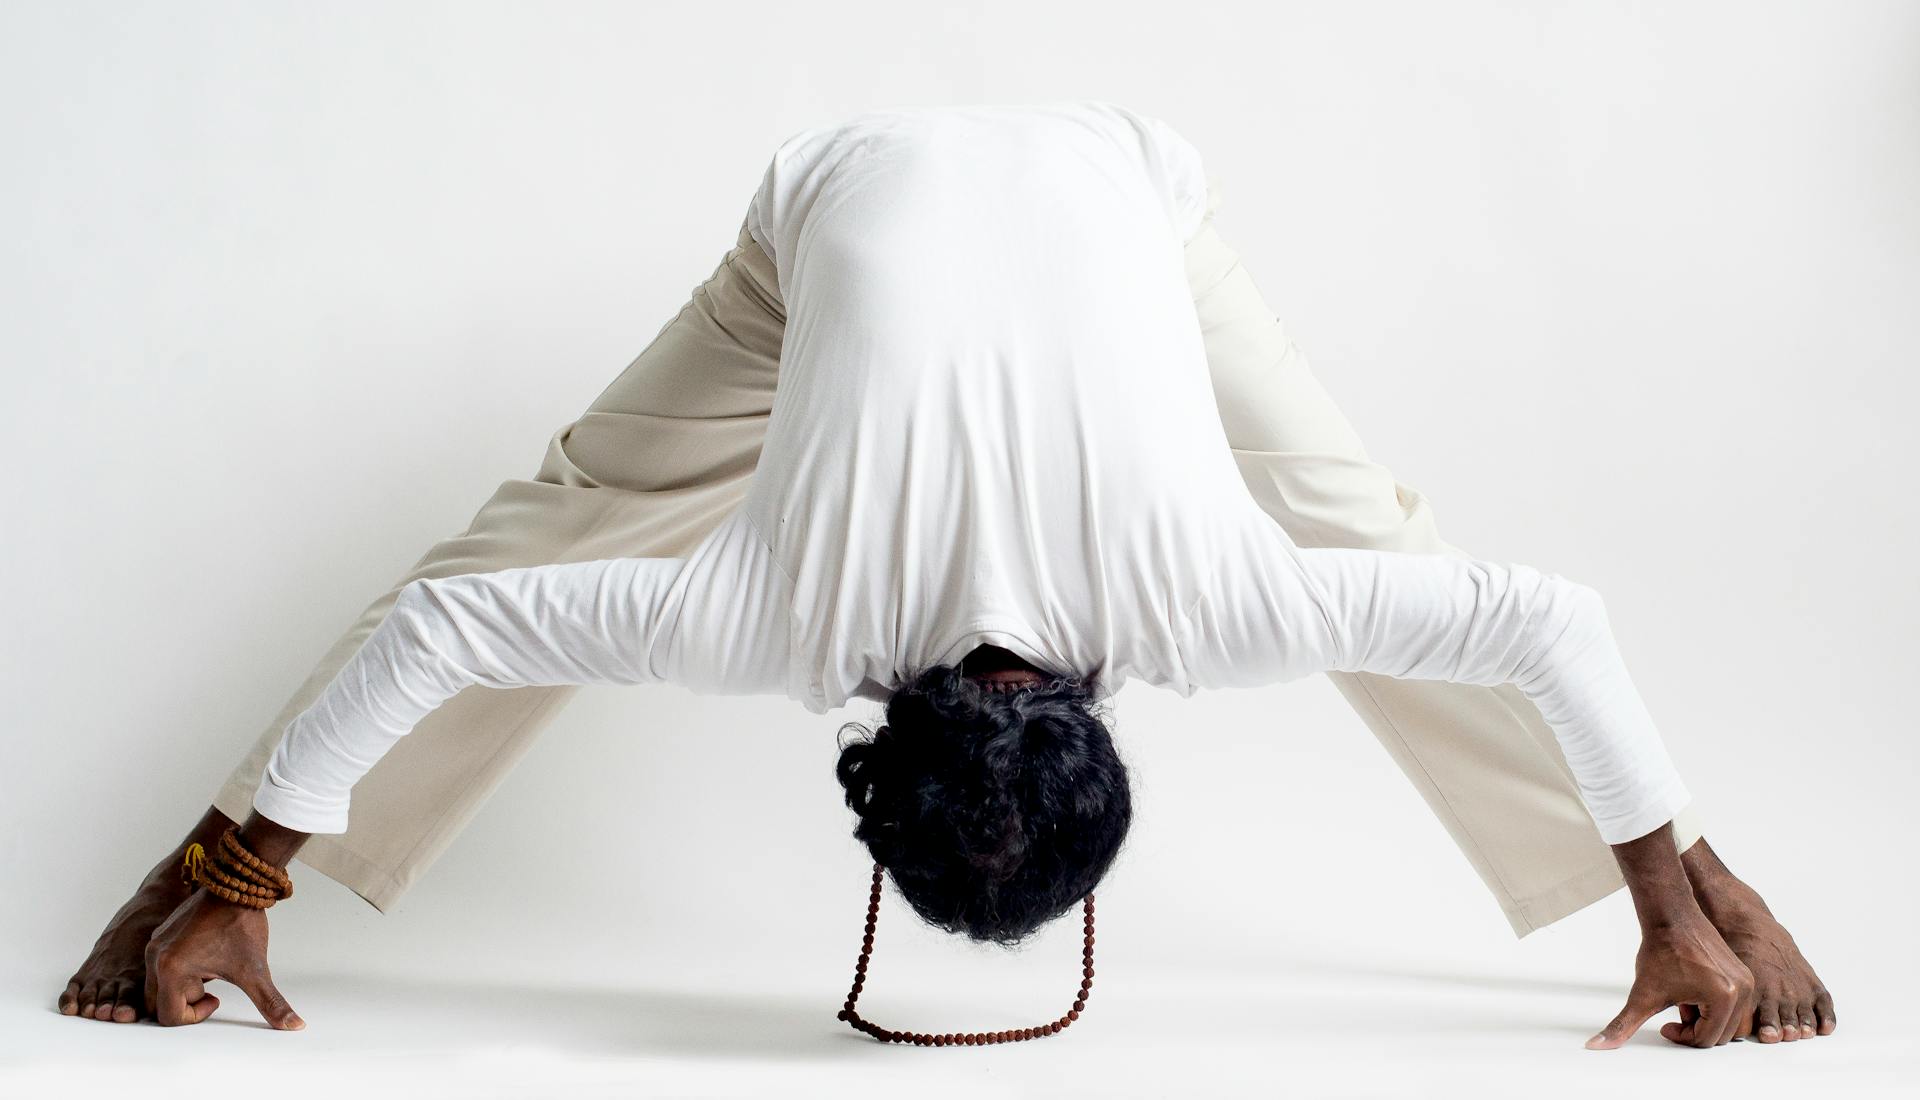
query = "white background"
{"x": 1629, "y": 290}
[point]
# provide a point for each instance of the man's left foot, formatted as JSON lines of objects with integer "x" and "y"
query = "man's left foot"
{"x": 1790, "y": 1000}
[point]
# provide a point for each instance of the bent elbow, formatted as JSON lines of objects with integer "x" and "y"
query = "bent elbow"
{"x": 1569, "y": 619}
{"x": 421, "y": 616}
{"x": 1582, "y": 623}
{"x": 1586, "y": 601}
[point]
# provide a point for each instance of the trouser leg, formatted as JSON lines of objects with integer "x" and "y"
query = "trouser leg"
{"x": 648, "y": 470}
{"x": 1483, "y": 758}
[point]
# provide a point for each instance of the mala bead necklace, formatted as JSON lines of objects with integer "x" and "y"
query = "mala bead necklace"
{"x": 968, "y": 1038}
{"x": 232, "y": 873}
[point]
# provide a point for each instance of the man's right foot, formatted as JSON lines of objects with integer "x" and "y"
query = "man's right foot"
{"x": 111, "y": 984}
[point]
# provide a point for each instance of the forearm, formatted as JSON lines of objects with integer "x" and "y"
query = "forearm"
{"x": 565, "y": 624}
{"x": 1663, "y": 893}
{"x": 397, "y": 676}
{"x": 1416, "y": 616}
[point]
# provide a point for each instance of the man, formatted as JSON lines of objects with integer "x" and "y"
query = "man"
{"x": 975, "y": 482}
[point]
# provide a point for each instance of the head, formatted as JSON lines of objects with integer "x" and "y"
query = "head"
{"x": 996, "y": 802}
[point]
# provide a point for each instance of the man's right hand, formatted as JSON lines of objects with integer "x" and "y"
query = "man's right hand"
{"x": 1690, "y": 965}
{"x": 208, "y": 939}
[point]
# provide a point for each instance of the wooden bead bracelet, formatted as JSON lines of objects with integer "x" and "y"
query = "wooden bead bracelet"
{"x": 232, "y": 873}
{"x": 967, "y": 1038}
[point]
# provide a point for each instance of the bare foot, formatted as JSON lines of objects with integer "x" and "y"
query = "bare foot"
{"x": 111, "y": 984}
{"x": 1790, "y": 1001}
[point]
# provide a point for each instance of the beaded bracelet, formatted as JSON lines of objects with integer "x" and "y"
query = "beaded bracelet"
{"x": 968, "y": 1038}
{"x": 253, "y": 867}
{"x": 232, "y": 873}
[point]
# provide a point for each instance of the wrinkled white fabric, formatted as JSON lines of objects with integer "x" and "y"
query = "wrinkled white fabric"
{"x": 994, "y": 425}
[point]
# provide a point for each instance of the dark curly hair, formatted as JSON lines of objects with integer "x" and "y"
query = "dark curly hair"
{"x": 994, "y": 811}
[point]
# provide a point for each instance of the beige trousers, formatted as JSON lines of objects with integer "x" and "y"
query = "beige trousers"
{"x": 667, "y": 450}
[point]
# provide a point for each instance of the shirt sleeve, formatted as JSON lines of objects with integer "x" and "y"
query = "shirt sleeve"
{"x": 1294, "y": 612}
{"x": 715, "y": 621}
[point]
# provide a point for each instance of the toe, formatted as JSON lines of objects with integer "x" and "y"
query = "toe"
{"x": 70, "y": 1000}
{"x": 1823, "y": 1012}
{"x": 124, "y": 1003}
{"x": 1789, "y": 1022}
{"x": 1808, "y": 1025}
{"x": 1766, "y": 1021}
{"x": 88, "y": 998}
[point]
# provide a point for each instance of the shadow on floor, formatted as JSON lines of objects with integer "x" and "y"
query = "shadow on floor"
{"x": 373, "y": 1014}
{"x": 1493, "y": 983}
{"x": 401, "y": 1014}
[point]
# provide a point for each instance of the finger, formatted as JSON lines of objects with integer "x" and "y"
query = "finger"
{"x": 1706, "y": 1030}
{"x": 1714, "y": 1015}
{"x": 70, "y": 1000}
{"x": 1727, "y": 1023}
{"x": 1768, "y": 1020}
{"x": 266, "y": 997}
{"x": 183, "y": 1000}
{"x": 1823, "y": 1012}
{"x": 1638, "y": 1011}
{"x": 202, "y": 1008}
{"x": 169, "y": 1002}
{"x": 1704, "y": 1027}
{"x": 1739, "y": 1018}
{"x": 1682, "y": 1030}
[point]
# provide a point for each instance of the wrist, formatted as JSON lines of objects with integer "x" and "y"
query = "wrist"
{"x": 164, "y": 877}
{"x": 1663, "y": 896}
{"x": 247, "y": 865}
{"x": 270, "y": 840}
{"x": 1667, "y": 919}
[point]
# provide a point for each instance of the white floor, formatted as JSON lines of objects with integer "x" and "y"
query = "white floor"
{"x": 1316, "y": 1027}
{"x": 1278, "y": 925}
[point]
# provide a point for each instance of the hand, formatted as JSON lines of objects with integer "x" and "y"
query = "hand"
{"x": 1687, "y": 964}
{"x": 207, "y": 939}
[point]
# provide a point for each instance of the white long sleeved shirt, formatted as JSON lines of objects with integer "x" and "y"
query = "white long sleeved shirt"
{"x": 994, "y": 425}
